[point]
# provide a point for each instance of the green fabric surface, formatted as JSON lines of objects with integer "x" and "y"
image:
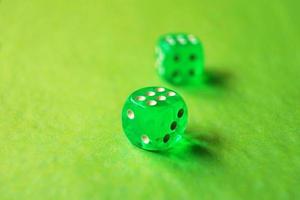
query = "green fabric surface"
{"x": 66, "y": 68}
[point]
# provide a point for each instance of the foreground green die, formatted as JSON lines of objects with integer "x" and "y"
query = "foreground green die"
{"x": 154, "y": 118}
{"x": 180, "y": 58}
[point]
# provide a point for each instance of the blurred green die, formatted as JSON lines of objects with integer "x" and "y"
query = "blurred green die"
{"x": 180, "y": 58}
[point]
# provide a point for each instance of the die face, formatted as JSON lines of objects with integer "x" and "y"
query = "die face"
{"x": 154, "y": 118}
{"x": 180, "y": 58}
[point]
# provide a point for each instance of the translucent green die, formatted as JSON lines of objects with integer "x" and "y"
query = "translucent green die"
{"x": 154, "y": 118}
{"x": 180, "y": 58}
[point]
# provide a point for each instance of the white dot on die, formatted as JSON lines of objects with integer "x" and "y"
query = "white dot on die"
{"x": 171, "y": 94}
{"x": 150, "y": 93}
{"x": 130, "y": 114}
{"x": 170, "y": 40}
{"x": 161, "y": 98}
{"x": 152, "y": 103}
{"x": 181, "y": 40}
{"x": 161, "y": 89}
{"x": 160, "y": 57}
{"x": 192, "y": 39}
{"x": 145, "y": 139}
{"x": 140, "y": 98}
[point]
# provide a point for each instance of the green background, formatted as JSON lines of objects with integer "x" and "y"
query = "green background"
{"x": 66, "y": 68}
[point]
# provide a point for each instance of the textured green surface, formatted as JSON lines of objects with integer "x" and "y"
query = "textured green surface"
{"x": 66, "y": 68}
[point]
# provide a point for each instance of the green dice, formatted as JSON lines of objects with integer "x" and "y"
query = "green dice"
{"x": 180, "y": 59}
{"x": 154, "y": 118}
